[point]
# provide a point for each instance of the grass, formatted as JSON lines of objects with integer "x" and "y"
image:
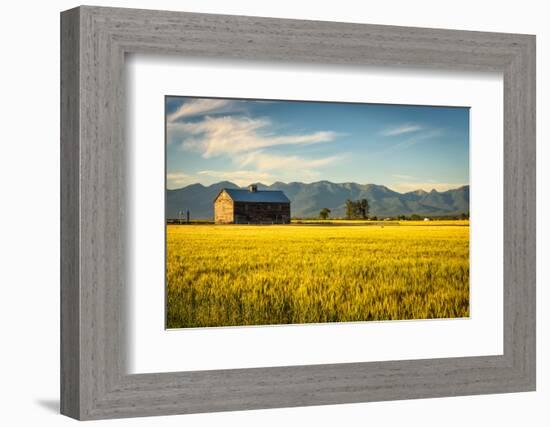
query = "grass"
{"x": 229, "y": 275}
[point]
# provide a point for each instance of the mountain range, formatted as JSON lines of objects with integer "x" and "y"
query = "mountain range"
{"x": 308, "y": 199}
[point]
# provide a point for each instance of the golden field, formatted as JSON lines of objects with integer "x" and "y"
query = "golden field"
{"x": 230, "y": 275}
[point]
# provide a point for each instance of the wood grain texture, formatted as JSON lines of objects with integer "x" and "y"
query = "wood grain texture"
{"x": 94, "y": 267}
{"x": 70, "y": 291}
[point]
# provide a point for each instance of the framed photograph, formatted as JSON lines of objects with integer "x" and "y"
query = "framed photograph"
{"x": 268, "y": 222}
{"x": 262, "y": 213}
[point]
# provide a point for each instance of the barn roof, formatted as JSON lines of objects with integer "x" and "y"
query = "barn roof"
{"x": 239, "y": 195}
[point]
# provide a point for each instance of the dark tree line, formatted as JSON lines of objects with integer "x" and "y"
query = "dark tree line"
{"x": 357, "y": 209}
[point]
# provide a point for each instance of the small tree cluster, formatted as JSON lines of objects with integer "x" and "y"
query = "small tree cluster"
{"x": 324, "y": 213}
{"x": 357, "y": 209}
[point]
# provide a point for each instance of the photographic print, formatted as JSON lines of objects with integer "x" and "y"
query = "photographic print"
{"x": 295, "y": 212}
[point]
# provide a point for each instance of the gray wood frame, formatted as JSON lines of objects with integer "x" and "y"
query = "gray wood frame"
{"x": 94, "y": 382}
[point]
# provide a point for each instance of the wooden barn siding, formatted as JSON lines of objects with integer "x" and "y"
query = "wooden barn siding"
{"x": 262, "y": 212}
{"x": 223, "y": 209}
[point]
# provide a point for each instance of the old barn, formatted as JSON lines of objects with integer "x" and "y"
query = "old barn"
{"x": 239, "y": 206}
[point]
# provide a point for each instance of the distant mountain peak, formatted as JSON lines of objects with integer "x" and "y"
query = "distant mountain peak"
{"x": 224, "y": 184}
{"x": 195, "y": 185}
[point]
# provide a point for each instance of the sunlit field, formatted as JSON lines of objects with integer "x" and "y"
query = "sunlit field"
{"x": 232, "y": 275}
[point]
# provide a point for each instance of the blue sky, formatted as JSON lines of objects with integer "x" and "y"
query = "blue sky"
{"x": 401, "y": 146}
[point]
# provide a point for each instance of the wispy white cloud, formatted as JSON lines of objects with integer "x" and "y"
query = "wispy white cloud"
{"x": 418, "y": 138}
{"x": 401, "y": 129}
{"x": 398, "y": 176}
{"x": 412, "y": 183}
{"x": 197, "y": 107}
{"x": 404, "y": 187}
{"x": 178, "y": 179}
{"x": 268, "y": 168}
{"x": 246, "y": 143}
{"x": 268, "y": 161}
{"x": 229, "y": 135}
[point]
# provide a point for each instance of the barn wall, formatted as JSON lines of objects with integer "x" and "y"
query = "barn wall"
{"x": 268, "y": 213}
{"x": 223, "y": 209}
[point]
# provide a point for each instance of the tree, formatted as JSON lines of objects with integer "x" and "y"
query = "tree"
{"x": 363, "y": 208}
{"x": 357, "y": 209}
{"x": 350, "y": 209}
{"x": 324, "y": 213}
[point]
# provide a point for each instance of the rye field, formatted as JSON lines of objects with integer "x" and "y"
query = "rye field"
{"x": 235, "y": 275}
